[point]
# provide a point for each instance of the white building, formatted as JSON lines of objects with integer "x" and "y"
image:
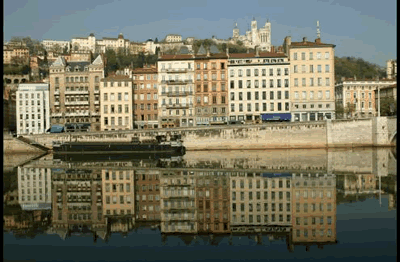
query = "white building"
{"x": 173, "y": 38}
{"x": 34, "y": 188}
{"x": 258, "y": 85}
{"x": 255, "y": 37}
{"x": 48, "y": 44}
{"x": 112, "y": 43}
{"x": 33, "y": 110}
{"x": 391, "y": 68}
{"x": 176, "y": 73}
{"x": 84, "y": 43}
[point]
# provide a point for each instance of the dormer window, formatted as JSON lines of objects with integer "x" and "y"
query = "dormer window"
{"x": 76, "y": 69}
{"x": 68, "y": 68}
{"x": 86, "y": 68}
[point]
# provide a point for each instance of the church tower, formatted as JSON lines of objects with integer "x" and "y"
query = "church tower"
{"x": 236, "y": 32}
{"x": 254, "y": 33}
{"x": 265, "y": 37}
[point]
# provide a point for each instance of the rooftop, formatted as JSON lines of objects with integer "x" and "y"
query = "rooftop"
{"x": 116, "y": 78}
{"x": 317, "y": 43}
{"x": 253, "y": 55}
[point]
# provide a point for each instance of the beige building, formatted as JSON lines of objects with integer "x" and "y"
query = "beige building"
{"x": 112, "y": 43}
{"x": 312, "y": 79}
{"x": 145, "y": 94}
{"x": 173, "y": 38}
{"x": 357, "y": 97}
{"x": 19, "y": 53}
{"x": 75, "y": 92}
{"x": 176, "y": 94}
{"x": 118, "y": 192}
{"x": 49, "y": 44}
{"x": 116, "y": 103}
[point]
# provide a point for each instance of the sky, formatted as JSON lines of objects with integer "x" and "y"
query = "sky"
{"x": 359, "y": 28}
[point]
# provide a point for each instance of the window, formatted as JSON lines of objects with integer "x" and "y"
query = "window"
{"x": 326, "y": 55}
{"x": 232, "y": 84}
{"x": 295, "y": 56}
{"x": 295, "y": 69}
{"x": 327, "y": 94}
{"x": 303, "y": 82}
{"x": 311, "y": 81}
{"x": 105, "y": 97}
{"x": 232, "y": 73}
{"x": 326, "y": 68}
{"x": 248, "y": 72}
{"x": 271, "y": 72}
{"x": 303, "y": 56}
{"x": 264, "y": 72}
{"x": 271, "y": 83}
{"x": 318, "y": 55}
{"x": 327, "y": 82}
{"x": 319, "y": 68}
{"x": 296, "y": 82}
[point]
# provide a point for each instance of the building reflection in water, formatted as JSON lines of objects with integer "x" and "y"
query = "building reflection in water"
{"x": 195, "y": 204}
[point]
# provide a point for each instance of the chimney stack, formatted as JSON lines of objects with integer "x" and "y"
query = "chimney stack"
{"x": 227, "y": 51}
{"x": 304, "y": 39}
{"x": 257, "y": 52}
{"x": 318, "y": 40}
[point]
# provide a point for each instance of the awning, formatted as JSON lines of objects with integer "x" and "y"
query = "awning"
{"x": 276, "y": 116}
{"x": 57, "y": 129}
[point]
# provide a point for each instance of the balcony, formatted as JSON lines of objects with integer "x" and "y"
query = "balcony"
{"x": 177, "y": 106}
{"x": 57, "y": 92}
{"x": 73, "y": 103}
{"x": 97, "y": 91}
{"x": 77, "y": 114}
{"x": 177, "y": 70}
{"x": 177, "y": 82}
{"x": 97, "y": 102}
{"x": 76, "y": 92}
{"x": 56, "y": 103}
{"x": 181, "y": 93}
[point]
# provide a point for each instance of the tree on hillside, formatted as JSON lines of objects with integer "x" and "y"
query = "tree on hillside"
{"x": 65, "y": 50}
{"x": 339, "y": 111}
{"x": 56, "y": 49}
{"x": 388, "y": 106}
{"x": 350, "y": 67}
{"x": 156, "y": 41}
{"x": 349, "y": 110}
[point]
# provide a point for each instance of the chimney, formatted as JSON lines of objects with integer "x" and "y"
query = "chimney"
{"x": 272, "y": 49}
{"x": 355, "y": 77}
{"x": 248, "y": 51}
{"x": 208, "y": 52}
{"x": 257, "y": 52}
{"x": 318, "y": 40}
{"x": 227, "y": 51}
{"x": 304, "y": 39}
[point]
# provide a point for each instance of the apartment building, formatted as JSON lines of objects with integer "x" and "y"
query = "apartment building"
{"x": 387, "y": 94}
{"x": 261, "y": 199}
{"x": 176, "y": 93}
{"x": 32, "y": 108}
{"x": 312, "y": 79}
{"x": 314, "y": 208}
{"x": 211, "y": 83}
{"x": 116, "y": 111}
{"x": 118, "y": 192}
{"x": 49, "y": 44}
{"x": 34, "y": 188}
{"x": 147, "y": 190}
{"x": 178, "y": 202}
{"x": 357, "y": 97}
{"x": 145, "y": 97}
{"x": 258, "y": 86}
{"x": 212, "y": 202}
{"x": 75, "y": 92}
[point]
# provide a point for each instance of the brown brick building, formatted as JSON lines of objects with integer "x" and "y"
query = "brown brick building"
{"x": 147, "y": 202}
{"x": 211, "y": 89}
{"x": 213, "y": 201}
{"x": 145, "y": 92}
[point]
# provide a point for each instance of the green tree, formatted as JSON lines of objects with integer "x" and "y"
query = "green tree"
{"x": 65, "y": 50}
{"x": 388, "y": 106}
{"x": 57, "y": 49}
{"x": 339, "y": 111}
{"x": 156, "y": 41}
{"x": 349, "y": 110}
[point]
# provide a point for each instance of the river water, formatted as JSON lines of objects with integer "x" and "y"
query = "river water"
{"x": 207, "y": 205}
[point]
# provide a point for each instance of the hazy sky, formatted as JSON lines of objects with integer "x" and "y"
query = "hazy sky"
{"x": 359, "y": 28}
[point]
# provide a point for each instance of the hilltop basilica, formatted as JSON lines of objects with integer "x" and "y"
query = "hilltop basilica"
{"x": 255, "y": 37}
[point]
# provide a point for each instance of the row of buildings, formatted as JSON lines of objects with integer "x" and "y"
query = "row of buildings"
{"x": 203, "y": 89}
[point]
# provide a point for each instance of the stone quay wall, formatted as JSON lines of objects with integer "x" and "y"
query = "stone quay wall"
{"x": 323, "y": 134}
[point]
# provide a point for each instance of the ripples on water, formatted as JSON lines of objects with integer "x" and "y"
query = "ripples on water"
{"x": 215, "y": 204}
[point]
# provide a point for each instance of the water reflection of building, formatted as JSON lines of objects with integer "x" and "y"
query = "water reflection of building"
{"x": 260, "y": 199}
{"x": 77, "y": 202}
{"x": 34, "y": 188}
{"x": 147, "y": 190}
{"x": 178, "y": 209}
{"x": 350, "y": 184}
{"x": 314, "y": 209}
{"x": 118, "y": 192}
{"x": 212, "y": 202}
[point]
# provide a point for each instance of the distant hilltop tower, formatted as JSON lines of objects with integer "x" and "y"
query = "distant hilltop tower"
{"x": 318, "y": 31}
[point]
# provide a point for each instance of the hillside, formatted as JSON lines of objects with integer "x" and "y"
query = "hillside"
{"x": 350, "y": 66}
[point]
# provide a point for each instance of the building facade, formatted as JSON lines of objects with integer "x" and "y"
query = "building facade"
{"x": 147, "y": 190}
{"x": 387, "y": 94}
{"x": 34, "y": 188}
{"x": 314, "y": 208}
{"x": 312, "y": 79}
{"x": 391, "y": 69}
{"x": 211, "y": 89}
{"x": 49, "y": 44}
{"x": 18, "y": 54}
{"x": 258, "y": 85}
{"x": 260, "y": 199}
{"x": 173, "y": 38}
{"x": 75, "y": 92}
{"x": 112, "y": 43}
{"x": 255, "y": 37}
{"x": 33, "y": 108}
{"x": 84, "y": 43}
{"x": 145, "y": 97}
{"x": 118, "y": 192}
{"x": 357, "y": 97}
{"x": 176, "y": 94}
{"x": 116, "y": 111}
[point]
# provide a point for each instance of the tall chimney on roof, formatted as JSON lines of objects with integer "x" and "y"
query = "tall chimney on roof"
{"x": 257, "y": 52}
{"x": 227, "y": 51}
{"x": 304, "y": 39}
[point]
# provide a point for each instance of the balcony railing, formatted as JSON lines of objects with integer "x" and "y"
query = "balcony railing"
{"x": 177, "y": 106}
{"x": 181, "y": 93}
{"x": 177, "y": 70}
{"x": 76, "y": 92}
{"x": 177, "y": 82}
{"x": 71, "y": 103}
